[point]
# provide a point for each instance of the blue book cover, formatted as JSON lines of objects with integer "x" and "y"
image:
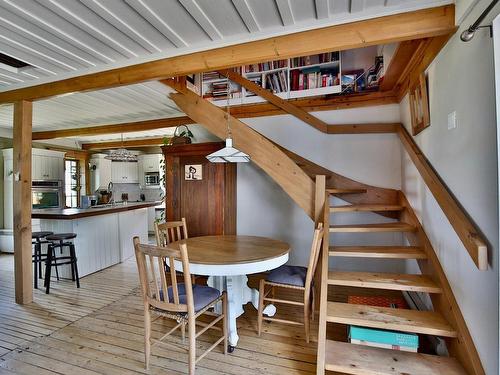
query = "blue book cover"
{"x": 383, "y": 336}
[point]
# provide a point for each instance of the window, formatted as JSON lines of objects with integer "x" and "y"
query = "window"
{"x": 72, "y": 182}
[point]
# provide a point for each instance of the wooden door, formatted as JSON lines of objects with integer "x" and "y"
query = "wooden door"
{"x": 208, "y": 203}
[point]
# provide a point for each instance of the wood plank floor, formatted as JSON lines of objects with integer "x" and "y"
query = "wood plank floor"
{"x": 98, "y": 329}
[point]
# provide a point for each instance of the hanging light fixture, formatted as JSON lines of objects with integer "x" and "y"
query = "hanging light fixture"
{"x": 228, "y": 154}
{"x": 121, "y": 154}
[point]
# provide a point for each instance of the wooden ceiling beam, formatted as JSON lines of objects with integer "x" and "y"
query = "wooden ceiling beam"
{"x": 382, "y": 30}
{"x": 419, "y": 63}
{"x": 402, "y": 56}
{"x": 244, "y": 111}
{"x": 132, "y": 143}
{"x": 114, "y": 128}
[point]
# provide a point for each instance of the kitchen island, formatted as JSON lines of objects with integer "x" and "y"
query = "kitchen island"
{"x": 104, "y": 233}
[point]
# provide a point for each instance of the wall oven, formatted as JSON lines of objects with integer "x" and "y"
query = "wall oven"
{"x": 152, "y": 178}
{"x": 47, "y": 194}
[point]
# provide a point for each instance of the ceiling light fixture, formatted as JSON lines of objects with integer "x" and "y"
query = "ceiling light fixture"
{"x": 228, "y": 154}
{"x": 121, "y": 154}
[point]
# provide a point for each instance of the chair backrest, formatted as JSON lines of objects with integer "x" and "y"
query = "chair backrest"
{"x": 151, "y": 261}
{"x": 314, "y": 256}
{"x": 170, "y": 231}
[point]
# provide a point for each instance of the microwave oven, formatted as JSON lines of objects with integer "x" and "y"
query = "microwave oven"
{"x": 152, "y": 178}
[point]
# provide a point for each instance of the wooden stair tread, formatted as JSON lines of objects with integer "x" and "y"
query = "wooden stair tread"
{"x": 363, "y": 360}
{"x": 390, "y": 281}
{"x": 414, "y": 321}
{"x": 382, "y": 227}
{"x": 366, "y": 208}
{"x": 393, "y": 252}
{"x": 345, "y": 191}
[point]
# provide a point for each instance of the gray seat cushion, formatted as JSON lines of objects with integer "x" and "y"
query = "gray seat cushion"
{"x": 290, "y": 275}
{"x": 202, "y": 295}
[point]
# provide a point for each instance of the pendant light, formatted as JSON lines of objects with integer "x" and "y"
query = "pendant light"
{"x": 228, "y": 154}
{"x": 121, "y": 154}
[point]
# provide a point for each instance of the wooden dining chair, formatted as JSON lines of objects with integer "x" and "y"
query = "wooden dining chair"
{"x": 292, "y": 277}
{"x": 182, "y": 302}
{"x": 171, "y": 231}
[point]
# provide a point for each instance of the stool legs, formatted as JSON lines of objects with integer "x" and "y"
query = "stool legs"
{"x": 51, "y": 261}
{"x": 37, "y": 267}
{"x": 48, "y": 265}
{"x": 74, "y": 265}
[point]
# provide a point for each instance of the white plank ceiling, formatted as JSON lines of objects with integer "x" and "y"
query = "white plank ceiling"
{"x": 64, "y": 38}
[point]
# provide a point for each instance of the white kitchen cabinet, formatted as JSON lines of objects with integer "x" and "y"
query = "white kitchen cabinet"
{"x": 100, "y": 172}
{"x": 47, "y": 167}
{"x": 124, "y": 172}
{"x": 150, "y": 163}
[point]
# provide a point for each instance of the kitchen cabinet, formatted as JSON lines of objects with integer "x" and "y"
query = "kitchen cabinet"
{"x": 100, "y": 172}
{"x": 47, "y": 167}
{"x": 150, "y": 163}
{"x": 124, "y": 172}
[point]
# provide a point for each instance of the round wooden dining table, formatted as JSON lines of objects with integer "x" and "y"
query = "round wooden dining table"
{"x": 227, "y": 260}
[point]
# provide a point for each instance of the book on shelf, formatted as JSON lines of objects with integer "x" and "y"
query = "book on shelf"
{"x": 321, "y": 58}
{"x": 276, "y": 82}
{"x": 268, "y": 65}
{"x": 258, "y": 81}
{"x": 313, "y": 78}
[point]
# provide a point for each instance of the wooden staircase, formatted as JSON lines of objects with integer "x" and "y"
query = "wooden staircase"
{"x": 310, "y": 186}
{"x": 355, "y": 359}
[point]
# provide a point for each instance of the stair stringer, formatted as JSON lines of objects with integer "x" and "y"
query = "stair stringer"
{"x": 373, "y": 195}
{"x": 462, "y": 348}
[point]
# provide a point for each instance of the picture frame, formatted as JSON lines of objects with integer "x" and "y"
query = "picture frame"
{"x": 419, "y": 105}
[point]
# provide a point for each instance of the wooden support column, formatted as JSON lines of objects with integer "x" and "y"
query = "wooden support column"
{"x": 23, "y": 272}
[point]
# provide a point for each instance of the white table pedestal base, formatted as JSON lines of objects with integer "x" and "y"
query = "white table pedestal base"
{"x": 238, "y": 295}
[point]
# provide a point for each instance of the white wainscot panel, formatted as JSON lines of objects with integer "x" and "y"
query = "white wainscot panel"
{"x": 132, "y": 223}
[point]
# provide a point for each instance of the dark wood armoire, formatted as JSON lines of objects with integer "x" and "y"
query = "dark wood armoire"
{"x": 202, "y": 192}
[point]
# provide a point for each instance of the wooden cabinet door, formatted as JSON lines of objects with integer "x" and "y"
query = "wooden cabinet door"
{"x": 201, "y": 200}
{"x": 132, "y": 173}
{"x": 209, "y": 203}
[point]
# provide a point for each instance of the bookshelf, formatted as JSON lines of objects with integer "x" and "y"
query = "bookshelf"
{"x": 297, "y": 77}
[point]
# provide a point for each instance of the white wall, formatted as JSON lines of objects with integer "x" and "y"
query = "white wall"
{"x": 265, "y": 209}
{"x": 461, "y": 79}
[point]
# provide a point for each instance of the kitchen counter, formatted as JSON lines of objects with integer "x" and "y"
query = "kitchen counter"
{"x": 103, "y": 234}
{"x": 78, "y": 213}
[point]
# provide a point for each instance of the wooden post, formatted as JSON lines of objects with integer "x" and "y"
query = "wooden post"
{"x": 319, "y": 205}
{"x": 23, "y": 272}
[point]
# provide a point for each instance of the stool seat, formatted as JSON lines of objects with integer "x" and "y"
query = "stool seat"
{"x": 40, "y": 235}
{"x": 60, "y": 236}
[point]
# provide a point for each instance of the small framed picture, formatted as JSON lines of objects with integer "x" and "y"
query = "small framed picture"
{"x": 193, "y": 172}
{"x": 419, "y": 105}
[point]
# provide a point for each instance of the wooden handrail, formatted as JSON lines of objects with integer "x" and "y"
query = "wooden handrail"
{"x": 463, "y": 225}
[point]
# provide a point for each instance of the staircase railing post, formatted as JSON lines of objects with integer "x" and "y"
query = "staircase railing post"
{"x": 322, "y": 214}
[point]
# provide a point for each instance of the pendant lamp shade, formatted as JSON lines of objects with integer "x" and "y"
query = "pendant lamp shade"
{"x": 228, "y": 154}
{"x": 121, "y": 154}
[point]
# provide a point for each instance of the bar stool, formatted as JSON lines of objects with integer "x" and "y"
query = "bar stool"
{"x": 60, "y": 240}
{"x": 38, "y": 239}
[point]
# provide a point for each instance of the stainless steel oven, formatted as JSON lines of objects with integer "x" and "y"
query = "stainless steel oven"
{"x": 47, "y": 194}
{"x": 152, "y": 178}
